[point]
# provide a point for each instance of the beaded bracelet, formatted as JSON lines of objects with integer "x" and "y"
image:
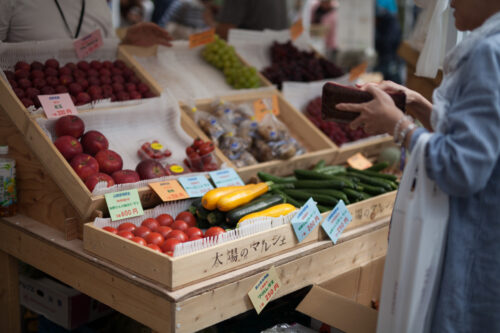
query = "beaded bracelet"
{"x": 398, "y": 125}
{"x": 404, "y": 133}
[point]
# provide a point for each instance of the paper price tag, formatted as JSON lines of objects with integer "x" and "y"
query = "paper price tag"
{"x": 359, "y": 162}
{"x": 296, "y": 29}
{"x": 226, "y": 177}
{"x": 88, "y": 44}
{"x": 201, "y": 38}
{"x": 169, "y": 190}
{"x": 265, "y": 289}
{"x": 56, "y": 106}
{"x": 195, "y": 186}
{"x": 357, "y": 71}
{"x": 306, "y": 220}
{"x": 336, "y": 221}
{"x": 124, "y": 204}
{"x": 262, "y": 107}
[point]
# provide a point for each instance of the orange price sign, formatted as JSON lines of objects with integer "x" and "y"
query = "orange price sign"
{"x": 296, "y": 29}
{"x": 357, "y": 71}
{"x": 263, "y": 106}
{"x": 201, "y": 38}
{"x": 169, "y": 190}
{"x": 359, "y": 162}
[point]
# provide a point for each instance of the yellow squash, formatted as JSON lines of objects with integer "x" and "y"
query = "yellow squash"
{"x": 209, "y": 200}
{"x": 275, "y": 211}
{"x": 241, "y": 197}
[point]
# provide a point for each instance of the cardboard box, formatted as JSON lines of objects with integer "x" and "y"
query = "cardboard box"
{"x": 344, "y": 302}
{"x": 59, "y": 303}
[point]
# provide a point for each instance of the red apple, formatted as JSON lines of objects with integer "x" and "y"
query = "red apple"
{"x": 105, "y": 72}
{"x": 22, "y": 65}
{"x": 119, "y": 64}
{"x": 94, "y": 90}
{"x": 142, "y": 88}
{"x": 66, "y": 79}
{"x": 148, "y": 94}
{"x": 36, "y": 65}
{"x": 96, "y": 96}
{"x": 95, "y": 178}
{"x": 24, "y": 83}
{"x": 83, "y": 65}
{"x": 84, "y": 165}
{"x": 134, "y": 79}
{"x": 127, "y": 72}
{"x": 107, "y": 64}
{"x": 93, "y": 142}
{"x": 83, "y": 83}
{"x": 75, "y": 88}
{"x": 122, "y": 96}
{"x": 37, "y": 74}
{"x": 31, "y": 93}
{"x": 105, "y": 79}
{"x": 83, "y": 98}
{"x": 116, "y": 71}
{"x": 130, "y": 87}
{"x": 60, "y": 89}
{"x": 125, "y": 176}
{"x": 65, "y": 71}
{"x": 117, "y": 87}
{"x": 135, "y": 95}
{"x": 95, "y": 64}
{"x": 10, "y": 75}
{"x": 52, "y": 81}
{"x": 47, "y": 90}
{"x": 13, "y": 83}
{"x": 107, "y": 91}
{"x": 118, "y": 79}
{"x": 19, "y": 92}
{"x": 109, "y": 161}
{"x": 78, "y": 73}
{"x": 68, "y": 146}
{"x": 149, "y": 169}
{"x": 27, "y": 102}
{"x": 53, "y": 63}
{"x": 94, "y": 81}
{"x": 50, "y": 71}
{"x": 70, "y": 125}
{"x": 39, "y": 83}
{"x": 71, "y": 66}
{"x": 92, "y": 72}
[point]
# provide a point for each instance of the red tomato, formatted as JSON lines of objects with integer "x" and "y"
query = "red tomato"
{"x": 194, "y": 237}
{"x": 188, "y": 218}
{"x": 206, "y": 148}
{"x": 154, "y": 238}
{"x": 178, "y": 234}
{"x": 163, "y": 230}
{"x": 127, "y": 226}
{"x": 139, "y": 240}
{"x": 111, "y": 230}
{"x": 165, "y": 219}
{"x": 190, "y": 150}
{"x": 142, "y": 231}
{"x": 180, "y": 225}
{"x": 125, "y": 234}
{"x": 154, "y": 247}
{"x": 169, "y": 245}
{"x": 150, "y": 223}
{"x": 214, "y": 231}
{"x": 169, "y": 253}
{"x": 193, "y": 231}
{"x": 197, "y": 143}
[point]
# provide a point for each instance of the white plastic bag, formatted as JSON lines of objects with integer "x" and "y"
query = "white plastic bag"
{"x": 416, "y": 246}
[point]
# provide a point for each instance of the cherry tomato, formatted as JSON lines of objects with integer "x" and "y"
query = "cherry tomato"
{"x": 210, "y": 166}
{"x": 180, "y": 225}
{"x": 214, "y": 231}
{"x": 125, "y": 234}
{"x": 127, "y": 226}
{"x": 150, "y": 223}
{"x": 142, "y": 231}
{"x": 178, "y": 234}
{"x": 154, "y": 238}
{"x": 165, "y": 219}
{"x": 188, "y": 218}
{"x": 154, "y": 247}
{"x": 197, "y": 143}
{"x": 195, "y": 237}
{"x": 163, "y": 230}
{"x": 139, "y": 240}
{"x": 111, "y": 230}
{"x": 190, "y": 150}
{"x": 169, "y": 245}
{"x": 193, "y": 231}
{"x": 206, "y": 148}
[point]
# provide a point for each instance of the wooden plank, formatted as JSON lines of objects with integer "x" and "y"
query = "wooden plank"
{"x": 227, "y": 301}
{"x": 10, "y": 317}
{"x": 368, "y": 147}
{"x": 88, "y": 276}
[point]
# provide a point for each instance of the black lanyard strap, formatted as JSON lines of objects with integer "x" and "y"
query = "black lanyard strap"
{"x": 80, "y": 20}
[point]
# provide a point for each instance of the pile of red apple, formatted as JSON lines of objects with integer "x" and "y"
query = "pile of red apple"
{"x": 163, "y": 233}
{"x": 84, "y": 81}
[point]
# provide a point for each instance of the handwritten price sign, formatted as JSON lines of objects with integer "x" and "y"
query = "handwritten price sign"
{"x": 226, "y": 177}
{"x": 124, "y": 204}
{"x": 306, "y": 220}
{"x": 265, "y": 289}
{"x": 337, "y": 221}
{"x": 169, "y": 190}
{"x": 56, "y": 106}
{"x": 359, "y": 162}
{"x": 88, "y": 44}
{"x": 201, "y": 38}
{"x": 195, "y": 186}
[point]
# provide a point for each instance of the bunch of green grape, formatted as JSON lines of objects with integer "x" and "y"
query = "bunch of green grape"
{"x": 222, "y": 56}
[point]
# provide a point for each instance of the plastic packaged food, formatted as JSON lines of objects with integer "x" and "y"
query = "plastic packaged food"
{"x": 153, "y": 150}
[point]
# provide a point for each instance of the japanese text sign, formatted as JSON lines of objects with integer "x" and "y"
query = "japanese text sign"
{"x": 306, "y": 220}
{"x": 169, "y": 190}
{"x": 265, "y": 289}
{"x": 195, "y": 186}
{"x": 88, "y": 44}
{"x": 337, "y": 221}
{"x": 226, "y": 177}
{"x": 124, "y": 204}
{"x": 56, "y": 106}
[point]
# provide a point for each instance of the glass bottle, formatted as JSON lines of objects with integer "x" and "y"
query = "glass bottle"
{"x": 8, "y": 194}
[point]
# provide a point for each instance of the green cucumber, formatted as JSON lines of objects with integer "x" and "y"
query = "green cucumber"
{"x": 378, "y": 167}
{"x": 304, "y": 195}
{"x": 331, "y": 169}
{"x": 373, "y": 174}
{"x": 319, "y": 165}
{"x": 332, "y": 193}
{"x": 325, "y": 184}
{"x": 233, "y": 216}
{"x": 289, "y": 199}
{"x": 216, "y": 218}
{"x": 373, "y": 190}
{"x": 323, "y": 209}
{"x": 266, "y": 177}
{"x": 281, "y": 186}
{"x": 375, "y": 181}
{"x": 365, "y": 195}
{"x": 354, "y": 196}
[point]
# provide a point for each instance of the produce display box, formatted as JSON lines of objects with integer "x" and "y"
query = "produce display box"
{"x": 318, "y": 146}
{"x": 177, "y": 272}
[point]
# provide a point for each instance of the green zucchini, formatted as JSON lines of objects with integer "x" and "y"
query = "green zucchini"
{"x": 373, "y": 174}
{"x": 233, "y": 216}
{"x": 386, "y": 184}
{"x": 194, "y": 205}
{"x": 373, "y": 190}
{"x": 216, "y": 218}
{"x": 333, "y": 193}
{"x": 266, "y": 177}
{"x": 378, "y": 167}
{"x": 304, "y": 195}
{"x": 354, "y": 196}
{"x": 319, "y": 165}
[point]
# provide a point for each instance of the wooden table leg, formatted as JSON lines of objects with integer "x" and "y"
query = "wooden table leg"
{"x": 10, "y": 318}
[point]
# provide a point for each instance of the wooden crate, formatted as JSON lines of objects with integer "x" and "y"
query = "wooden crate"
{"x": 178, "y": 272}
{"x": 318, "y": 146}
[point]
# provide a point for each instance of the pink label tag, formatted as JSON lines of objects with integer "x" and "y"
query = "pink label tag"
{"x": 88, "y": 44}
{"x": 56, "y": 106}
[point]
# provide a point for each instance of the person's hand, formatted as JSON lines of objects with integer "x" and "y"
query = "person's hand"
{"x": 377, "y": 116}
{"x": 147, "y": 34}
